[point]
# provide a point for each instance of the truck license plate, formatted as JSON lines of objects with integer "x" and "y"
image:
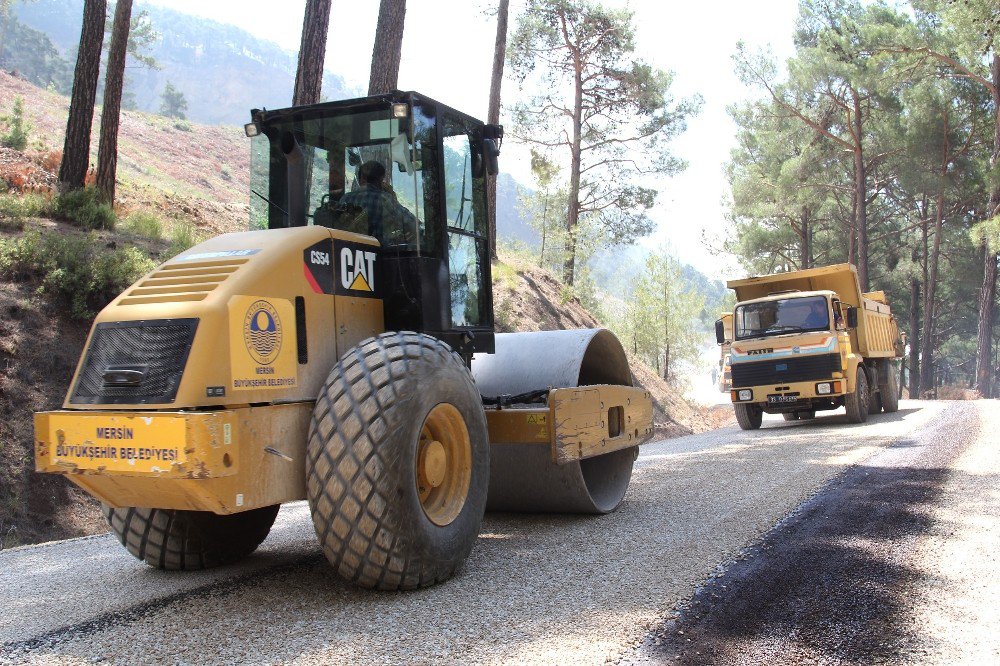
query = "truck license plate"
{"x": 780, "y": 399}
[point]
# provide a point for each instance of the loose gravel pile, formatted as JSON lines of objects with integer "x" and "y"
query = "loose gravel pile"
{"x": 540, "y": 589}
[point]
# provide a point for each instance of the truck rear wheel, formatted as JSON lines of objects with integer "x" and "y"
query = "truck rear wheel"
{"x": 888, "y": 389}
{"x": 397, "y": 463}
{"x": 748, "y": 416}
{"x": 790, "y": 416}
{"x": 857, "y": 402}
{"x": 189, "y": 540}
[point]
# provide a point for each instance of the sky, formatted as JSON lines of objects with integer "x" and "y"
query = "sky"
{"x": 695, "y": 40}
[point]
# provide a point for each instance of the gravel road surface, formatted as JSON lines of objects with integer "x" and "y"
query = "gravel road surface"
{"x": 541, "y": 589}
{"x": 894, "y": 562}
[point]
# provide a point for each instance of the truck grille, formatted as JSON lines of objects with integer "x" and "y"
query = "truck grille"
{"x": 155, "y": 350}
{"x": 785, "y": 370}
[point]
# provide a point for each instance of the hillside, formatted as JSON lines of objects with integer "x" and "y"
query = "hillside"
{"x": 222, "y": 71}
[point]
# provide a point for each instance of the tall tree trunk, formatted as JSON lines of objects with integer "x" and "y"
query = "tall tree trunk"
{"x": 76, "y": 148}
{"x": 493, "y": 115}
{"x": 988, "y": 292}
{"x": 861, "y": 197}
{"x": 914, "y": 339}
{"x": 388, "y": 47}
{"x": 930, "y": 285}
{"x": 805, "y": 240}
{"x": 573, "y": 205}
{"x": 930, "y": 292}
{"x": 114, "y": 82}
{"x": 312, "y": 53}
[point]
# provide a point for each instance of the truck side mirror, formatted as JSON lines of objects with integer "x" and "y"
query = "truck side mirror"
{"x": 852, "y": 317}
{"x": 720, "y": 332}
{"x": 490, "y": 154}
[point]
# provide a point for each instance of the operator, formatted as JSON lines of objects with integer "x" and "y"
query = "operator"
{"x": 387, "y": 220}
{"x": 817, "y": 317}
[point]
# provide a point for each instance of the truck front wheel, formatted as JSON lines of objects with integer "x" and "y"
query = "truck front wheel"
{"x": 857, "y": 402}
{"x": 748, "y": 416}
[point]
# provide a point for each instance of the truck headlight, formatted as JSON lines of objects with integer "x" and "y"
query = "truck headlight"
{"x": 745, "y": 395}
{"x": 823, "y": 389}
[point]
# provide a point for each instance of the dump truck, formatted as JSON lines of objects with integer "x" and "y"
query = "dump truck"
{"x": 810, "y": 340}
{"x": 342, "y": 351}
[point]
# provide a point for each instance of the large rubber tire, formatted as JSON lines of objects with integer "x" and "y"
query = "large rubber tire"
{"x": 807, "y": 415}
{"x": 189, "y": 540}
{"x": 888, "y": 389}
{"x": 857, "y": 402}
{"x": 790, "y": 416}
{"x": 748, "y": 416}
{"x": 367, "y": 431}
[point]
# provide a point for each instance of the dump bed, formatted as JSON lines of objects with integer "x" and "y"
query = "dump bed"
{"x": 877, "y": 335}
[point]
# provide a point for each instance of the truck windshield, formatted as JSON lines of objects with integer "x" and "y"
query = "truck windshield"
{"x": 786, "y": 315}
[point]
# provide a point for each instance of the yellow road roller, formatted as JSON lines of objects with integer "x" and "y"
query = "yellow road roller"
{"x": 342, "y": 351}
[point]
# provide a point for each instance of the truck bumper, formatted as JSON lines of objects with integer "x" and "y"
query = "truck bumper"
{"x": 224, "y": 461}
{"x": 794, "y": 395}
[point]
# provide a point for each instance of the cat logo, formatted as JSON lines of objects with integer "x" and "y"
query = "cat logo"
{"x": 754, "y": 352}
{"x": 356, "y": 264}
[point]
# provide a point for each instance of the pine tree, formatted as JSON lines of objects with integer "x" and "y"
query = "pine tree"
{"x": 76, "y": 148}
{"x": 388, "y": 47}
{"x": 312, "y": 53}
{"x": 107, "y": 154}
{"x": 174, "y": 104}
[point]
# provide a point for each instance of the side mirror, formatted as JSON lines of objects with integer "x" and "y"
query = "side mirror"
{"x": 720, "y": 332}
{"x": 490, "y": 155}
{"x": 852, "y": 317}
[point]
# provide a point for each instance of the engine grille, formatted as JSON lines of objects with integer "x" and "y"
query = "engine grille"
{"x": 784, "y": 370}
{"x": 158, "y": 348}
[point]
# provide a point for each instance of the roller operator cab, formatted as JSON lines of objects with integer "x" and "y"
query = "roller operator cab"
{"x": 342, "y": 351}
{"x": 810, "y": 340}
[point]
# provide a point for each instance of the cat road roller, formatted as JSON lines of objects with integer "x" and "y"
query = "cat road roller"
{"x": 342, "y": 351}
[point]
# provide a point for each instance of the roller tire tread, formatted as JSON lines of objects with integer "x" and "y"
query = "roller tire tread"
{"x": 348, "y": 496}
{"x": 176, "y": 540}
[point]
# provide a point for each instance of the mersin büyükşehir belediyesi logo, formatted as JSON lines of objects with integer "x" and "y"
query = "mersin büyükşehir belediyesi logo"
{"x": 262, "y": 332}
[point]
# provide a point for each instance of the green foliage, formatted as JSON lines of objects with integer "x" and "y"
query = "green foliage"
{"x": 183, "y": 126}
{"x": 182, "y": 236}
{"x": 15, "y": 208}
{"x": 32, "y": 54}
{"x": 145, "y": 224}
{"x": 987, "y": 231}
{"x": 625, "y": 113}
{"x": 660, "y": 320}
{"x": 173, "y": 103}
{"x": 78, "y": 270}
{"x": 902, "y": 95}
{"x": 17, "y": 134}
{"x": 84, "y": 208}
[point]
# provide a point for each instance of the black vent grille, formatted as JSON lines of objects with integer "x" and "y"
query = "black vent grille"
{"x": 159, "y": 347}
{"x": 785, "y": 370}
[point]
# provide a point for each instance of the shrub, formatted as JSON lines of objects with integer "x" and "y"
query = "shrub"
{"x": 183, "y": 126}
{"x": 75, "y": 269}
{"x": 182, "y": 237}
{"x": 84, "y": 209}
{"x": 145, "y": 224}
{"x": 17, "y": 134}
{"x": 226, "y": 173}
{"x": 14, "y": 209}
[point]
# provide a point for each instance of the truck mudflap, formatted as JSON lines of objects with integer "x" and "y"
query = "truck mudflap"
{"x": 578, "y": 423}
{"x": 224, "y": 461}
